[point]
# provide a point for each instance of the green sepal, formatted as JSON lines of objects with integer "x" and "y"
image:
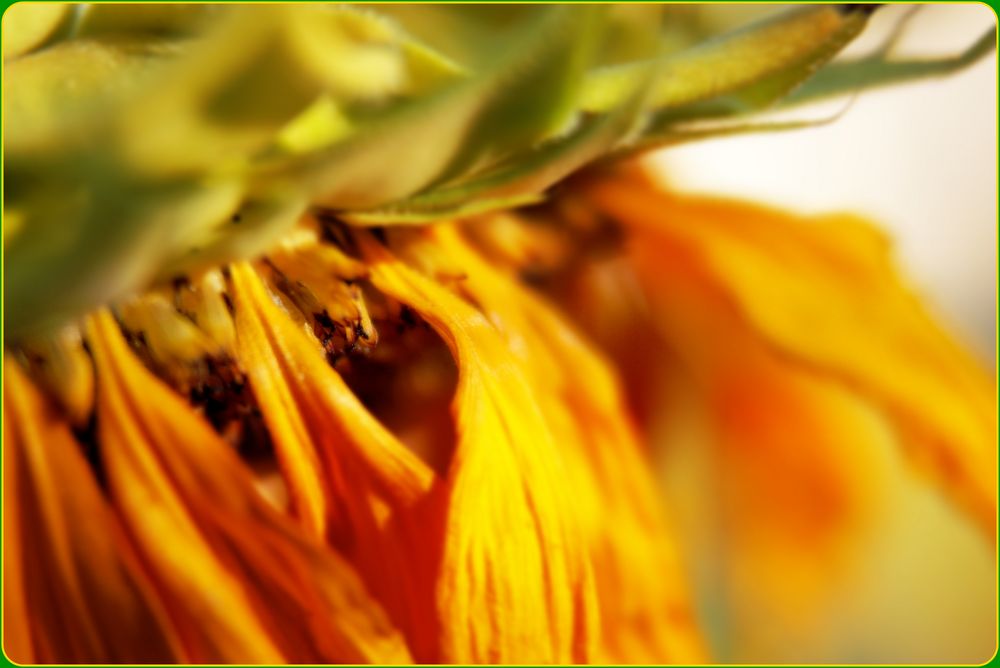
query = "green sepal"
{"x": 454, "y": 131}
{"x": 882, "y": 70}
{"x": 754, "y": 65}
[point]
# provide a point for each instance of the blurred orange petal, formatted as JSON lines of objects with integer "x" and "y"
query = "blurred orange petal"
{"x": 73, "y": 590}
{"x": 799, "y": 459}
{"x": 822, "y": 295}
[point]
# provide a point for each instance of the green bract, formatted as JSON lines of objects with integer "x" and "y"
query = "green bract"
{"x": 143, "y": 142}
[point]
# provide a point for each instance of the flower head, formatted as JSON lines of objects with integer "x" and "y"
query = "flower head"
{"x": 311, "y": 360}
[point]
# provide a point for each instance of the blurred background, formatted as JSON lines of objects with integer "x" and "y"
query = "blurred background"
{"x": 921, "y": 161}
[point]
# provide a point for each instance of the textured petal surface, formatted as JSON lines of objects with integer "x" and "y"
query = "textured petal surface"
{"x": 240, "y": 582}
{"x": 352, "y": 482}
{"x": 515, "y": 581}
{"x": 645, "y": 614}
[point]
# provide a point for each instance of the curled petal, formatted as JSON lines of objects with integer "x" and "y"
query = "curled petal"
{"x": 515, "y": 581}
{"x": 240, "y": 582}
{"x": 351, "y": 481}
{"x": 645, "y": 613}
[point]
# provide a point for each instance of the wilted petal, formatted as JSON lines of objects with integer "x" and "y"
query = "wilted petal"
{"x": 515, "y": 581}
{"x": 240, "y": 583}
{"x": 823, "y": 294}
{"x": 350, "y": 479}
{"x": 73, "y": 590}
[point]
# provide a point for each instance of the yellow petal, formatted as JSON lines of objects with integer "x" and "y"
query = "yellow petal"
{"x": 823, "y": 293}
{"x": 515, "y": 581}
{"x": 240, "y": 582}
{"x": 73, "y": 590}
{"x": 350, "y": 479}
{"x": 645, "y": 613}
{"x": 16, "y": 628}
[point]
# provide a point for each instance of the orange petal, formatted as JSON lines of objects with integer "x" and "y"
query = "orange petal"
{"x": 350, "y": 479}
{"x": 606, "y": 303}
{"x": 823, "y": 293}
{"x": 515, "y": 581}
{"x": 73, "y": 591}
{"x": 800, "y": 460}
{"x": 644, "y": 608}
{"x": 242, "y": 585}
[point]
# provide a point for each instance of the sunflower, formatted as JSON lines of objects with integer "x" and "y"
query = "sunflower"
{"x": 337, "y": 334}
